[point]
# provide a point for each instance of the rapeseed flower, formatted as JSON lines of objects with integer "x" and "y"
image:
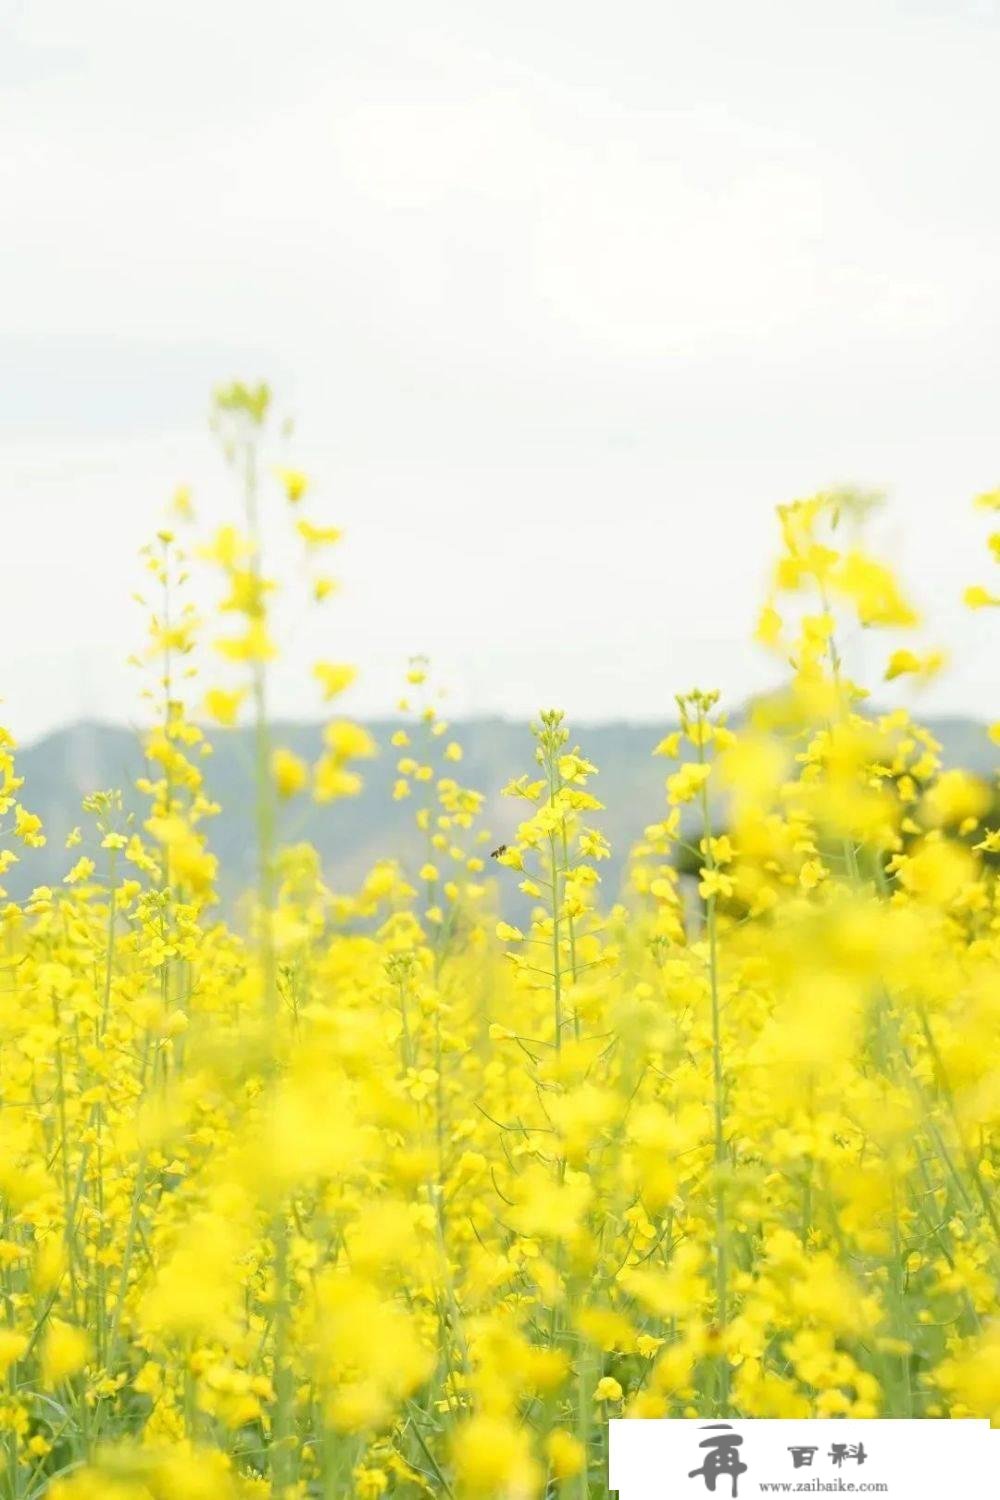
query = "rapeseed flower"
{"x": 379, "y": 1191}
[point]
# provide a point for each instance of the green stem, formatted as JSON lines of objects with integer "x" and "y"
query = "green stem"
{"x": 718, "y": 1091}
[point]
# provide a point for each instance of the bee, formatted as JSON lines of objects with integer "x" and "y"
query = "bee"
{"x": 496, "y": 853}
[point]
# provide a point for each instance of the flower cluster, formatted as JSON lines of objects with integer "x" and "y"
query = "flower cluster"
{"x": 371, "y": 1193}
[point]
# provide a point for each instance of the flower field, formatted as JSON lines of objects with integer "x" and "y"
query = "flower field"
{"x": 375, "y": 1193}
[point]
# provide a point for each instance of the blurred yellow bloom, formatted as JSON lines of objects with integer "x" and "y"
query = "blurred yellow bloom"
{"x": 223, "y": 706}
{"x": 290, "y": 772}
{"x": 64, "y": 1351}
{"x": 333, "y": 678}
{"x": 317, "y": 536}
{"x": 294, "y": 483}
{"x": 608, "y": 1389}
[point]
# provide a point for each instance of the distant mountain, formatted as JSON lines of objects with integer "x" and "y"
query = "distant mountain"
{"x": 60, "y": 769}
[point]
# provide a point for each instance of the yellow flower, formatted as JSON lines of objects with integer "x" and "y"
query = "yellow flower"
{"x": 608, "y": 1389}
{"x": 228, "y": 548}
{"x": 12, "y": 1346}
{"x": 873, "y": 590}
{"x": 290, "y": 772}
{"x": 331, "y": 781}
{"x": 28, "y": 828}
{"x": 317, "y": 536}
{"x": 254, "y": 644}
{"x": 181, "y": 505}
{"x": 64, "y": 1351}
{"x": 670, "y": 745}
{"x": 956, "y": 799}
{"x": 566, "y": 1454}
{"x": 902, "y": 662}
{"x": 492, "y": 1456}
{"x": 295, "y": 483}
{"x": 684, "y": 785}
{"x": 349, "y": 741}
{"x": 714, "y": 883}
{"x": 223, "y": 706}
{"x": 769, "y": 627}
{"x": 333, "y": 678}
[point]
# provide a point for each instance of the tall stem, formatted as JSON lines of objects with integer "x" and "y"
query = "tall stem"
{"x": 718, "y": 1088}
{"x": 283, "y": 1414}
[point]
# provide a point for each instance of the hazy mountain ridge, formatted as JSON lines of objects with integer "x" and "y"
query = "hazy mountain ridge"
{"x": 64, "y": 766}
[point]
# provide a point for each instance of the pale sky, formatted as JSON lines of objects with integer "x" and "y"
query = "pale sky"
{"x": 565, "y": 297}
